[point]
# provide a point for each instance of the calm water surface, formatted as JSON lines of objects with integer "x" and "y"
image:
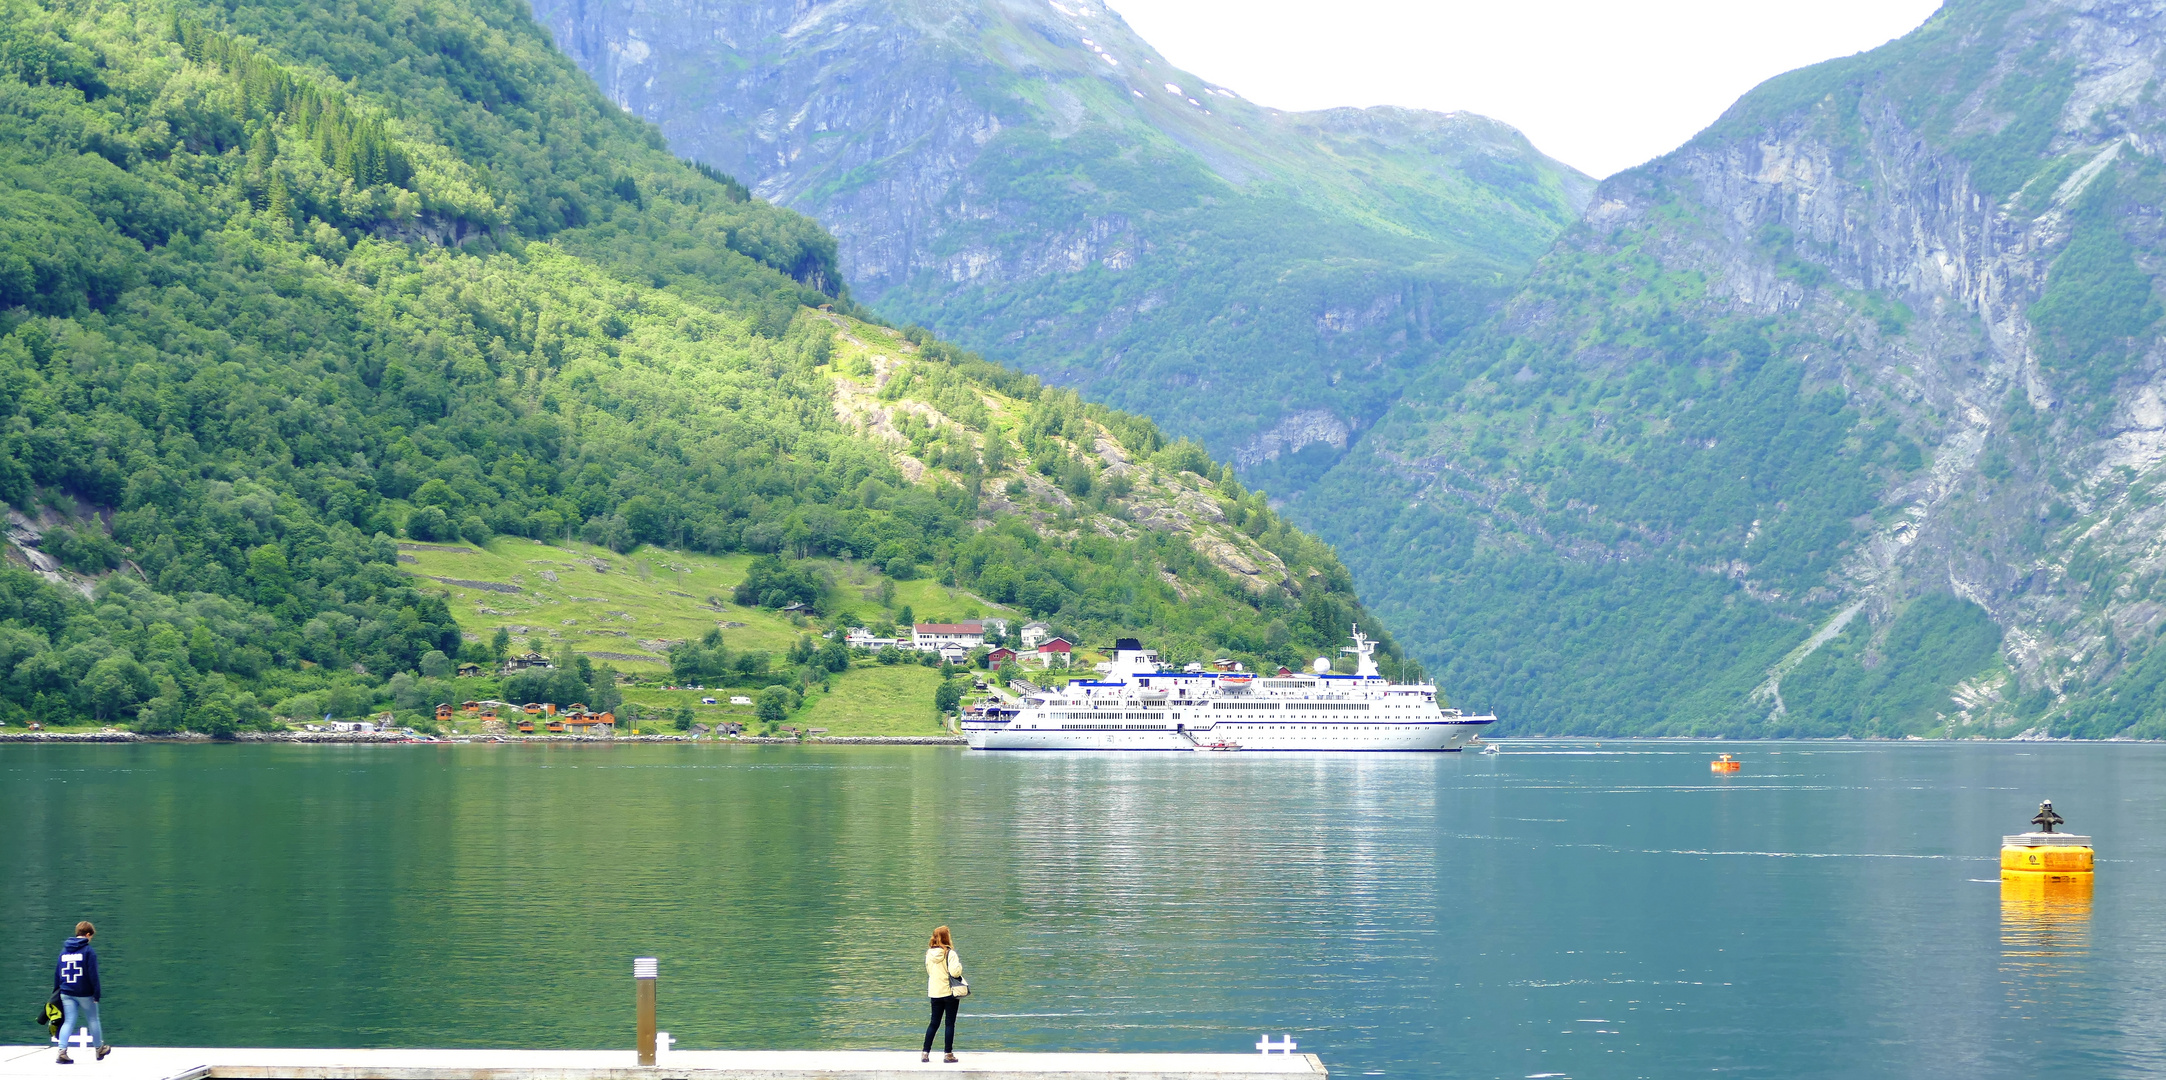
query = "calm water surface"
{"x": 1566, "y": 910}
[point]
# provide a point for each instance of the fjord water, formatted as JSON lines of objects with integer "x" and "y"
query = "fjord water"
{"x": 1560, "y": 910}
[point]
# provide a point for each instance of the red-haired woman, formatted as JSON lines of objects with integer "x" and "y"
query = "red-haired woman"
{"x": 944, "y": 985}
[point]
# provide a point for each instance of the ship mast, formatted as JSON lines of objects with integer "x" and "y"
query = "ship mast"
{"x": 1366, "y": 650}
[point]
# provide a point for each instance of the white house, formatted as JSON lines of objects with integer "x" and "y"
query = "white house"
{"x": 1035, "y": 632}
{"x": 934, "y": 636}
{"x": 860, "y": 638}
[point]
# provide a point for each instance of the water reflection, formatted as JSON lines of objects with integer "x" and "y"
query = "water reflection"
{"x": 1590, "y": 912}
{"x": 2045, "y": 941}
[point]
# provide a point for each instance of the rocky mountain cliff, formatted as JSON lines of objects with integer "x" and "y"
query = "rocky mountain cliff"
{"x": 1845, "y": 417}
{"x": 1031, "y": 179}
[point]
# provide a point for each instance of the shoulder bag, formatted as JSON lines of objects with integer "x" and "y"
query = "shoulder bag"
{"x": 957, "y": 985}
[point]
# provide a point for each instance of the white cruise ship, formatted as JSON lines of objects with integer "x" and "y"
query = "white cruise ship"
{"x": 1141, "y": 707}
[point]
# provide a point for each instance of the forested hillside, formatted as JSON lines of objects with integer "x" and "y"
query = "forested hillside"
{"x": 280, "y": 285}
{"x": 1845, "y": 418}
{"x": 1033, "y": 180}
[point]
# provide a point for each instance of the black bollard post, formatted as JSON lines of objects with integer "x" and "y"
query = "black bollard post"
{"x": 644, "y": 970}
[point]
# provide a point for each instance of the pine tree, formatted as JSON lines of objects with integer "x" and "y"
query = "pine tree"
{"x": 281, "y": 200}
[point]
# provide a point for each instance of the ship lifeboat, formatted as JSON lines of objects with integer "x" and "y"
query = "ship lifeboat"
{"x": 1725, "y": 764}
{"x": 1238, "y": 678}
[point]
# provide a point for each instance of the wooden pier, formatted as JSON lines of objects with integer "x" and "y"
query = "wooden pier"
{"x": 245, "y": 1063}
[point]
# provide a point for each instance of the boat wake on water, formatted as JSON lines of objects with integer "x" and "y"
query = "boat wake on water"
{"x": 1140, "y": 706}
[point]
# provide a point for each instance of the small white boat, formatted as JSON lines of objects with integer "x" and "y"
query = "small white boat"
{"x": 1492, "y": 748}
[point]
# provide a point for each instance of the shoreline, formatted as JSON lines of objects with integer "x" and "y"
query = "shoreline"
{"x": 370, "y": 737}
{"x": 376, "y": 738}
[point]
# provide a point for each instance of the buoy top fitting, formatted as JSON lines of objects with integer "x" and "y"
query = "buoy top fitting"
{"x": 2046, "y": 818}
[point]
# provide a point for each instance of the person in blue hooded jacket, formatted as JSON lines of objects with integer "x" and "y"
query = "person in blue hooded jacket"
{"x": 76, "y": 977}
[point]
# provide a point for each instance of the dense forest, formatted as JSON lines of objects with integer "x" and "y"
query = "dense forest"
{"x": 281, "y": 285}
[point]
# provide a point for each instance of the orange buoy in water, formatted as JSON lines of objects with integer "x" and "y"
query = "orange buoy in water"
{"x": 1725, "y": 763}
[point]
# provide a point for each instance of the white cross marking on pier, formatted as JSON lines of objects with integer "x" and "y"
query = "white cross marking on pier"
{"x": 1285, "y": 1045}
{"x": 82, "y": 1039}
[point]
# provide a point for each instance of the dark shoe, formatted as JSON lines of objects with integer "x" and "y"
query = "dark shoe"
{"x": 64, "y": 1059}
{"x": 926, "y": 1056}
{"x": 952, "y": 1059}
{"x": 102, "y": 1051}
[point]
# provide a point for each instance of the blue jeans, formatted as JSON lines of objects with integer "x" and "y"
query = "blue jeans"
{"x": 77, "y": 1013}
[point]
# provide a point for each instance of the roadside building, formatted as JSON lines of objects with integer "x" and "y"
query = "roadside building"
{"x": 1035, "y": 633}
{"x": 590, "y": 723}
{"x": 999, "y": 656}
{"x": 1056, "y": 649}
{"x": 935, "y": 637}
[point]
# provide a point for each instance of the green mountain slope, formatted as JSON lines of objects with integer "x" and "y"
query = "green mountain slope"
{"x": 1035, "y": 181}
{"x": 280, "y": 285}
{"x": 1843, "y": 418}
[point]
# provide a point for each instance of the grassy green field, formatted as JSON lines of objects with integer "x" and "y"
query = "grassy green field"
{"x": 626, "y": 610}
{"x": 870, "y": 699}
{"x": 875, "y": 700}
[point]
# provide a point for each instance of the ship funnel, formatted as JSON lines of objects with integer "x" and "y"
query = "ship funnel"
{"x": 1131, "y": 658}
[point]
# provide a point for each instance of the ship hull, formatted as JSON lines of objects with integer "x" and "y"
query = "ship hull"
{"x": 1438, "y": 736}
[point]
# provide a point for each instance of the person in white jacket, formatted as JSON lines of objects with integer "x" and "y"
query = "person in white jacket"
{"x": 942, "y": 968}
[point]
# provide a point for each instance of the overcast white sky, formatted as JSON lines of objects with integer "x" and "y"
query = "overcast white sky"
{"x": 1599, "y": 84}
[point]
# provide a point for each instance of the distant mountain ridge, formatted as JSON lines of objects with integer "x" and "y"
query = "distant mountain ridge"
{"x": 1031, "y": 179}
{"x": 1846, "y": 417}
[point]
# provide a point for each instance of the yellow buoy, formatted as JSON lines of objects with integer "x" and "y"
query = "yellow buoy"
{"x": 2043, "y": 853}
{"x": 1725, "y": 763}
